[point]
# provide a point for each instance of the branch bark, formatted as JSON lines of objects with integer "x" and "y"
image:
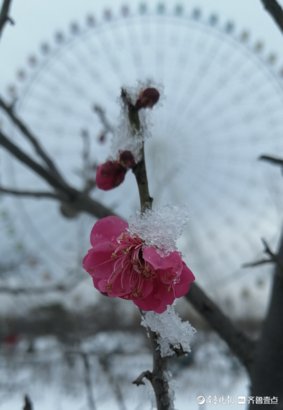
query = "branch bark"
{"x": 4, "y": 15}
{"x": 30, "y": 194}
{"x": 275, "y": 11}
{"x": 26, "y": 132}
{"x": 158, "y": 375}
{"x": 267, "y": 370}
{"x": 242, "y": 346}
{"x": 78, "y": 200}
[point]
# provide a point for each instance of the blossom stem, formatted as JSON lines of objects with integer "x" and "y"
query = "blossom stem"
{"x": 139, "y": 169}
{"x": 158, "y": 376}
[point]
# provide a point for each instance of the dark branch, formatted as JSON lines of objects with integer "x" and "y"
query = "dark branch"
{"x": 144, "y": 375}
{"x": 272, "y": 258}
{"x": 30, "y": 137}
{"x": 30, "y": 194}
{"x": 4, "y": 14}
{"x": 75, "y": 199}
{"x": 275, "y": 11}
{"x": 83, "y": 203}
{"x": 103, "y": 119}
{"x": 272, "y": 160}
{"x": 88, "y": 381}
{"x": 257, "y": 263}
{"x": 237, "y": 341}
{"x": 27, "y": 403}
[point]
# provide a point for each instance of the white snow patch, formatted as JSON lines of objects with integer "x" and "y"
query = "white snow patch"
{"x": 161, "y": 227}
{"x": 124, "y": 139}
{"x": 172, "y": 332}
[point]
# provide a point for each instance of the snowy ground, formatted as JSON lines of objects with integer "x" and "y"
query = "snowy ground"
{"x": 56, "y": 375}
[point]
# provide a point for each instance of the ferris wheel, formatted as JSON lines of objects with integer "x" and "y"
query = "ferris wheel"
{"x": 221, "y": 109}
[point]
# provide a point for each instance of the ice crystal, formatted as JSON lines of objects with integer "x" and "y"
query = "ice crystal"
{"x": 123, "y": 138}
{"x": 161, "y": 227}
{"x": 172, "y": 332}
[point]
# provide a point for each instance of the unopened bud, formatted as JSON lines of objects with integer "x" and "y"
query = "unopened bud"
{"x": 147, "y": 98}
{"x": 127, "y": 159}
{"x": 110, "y": 175}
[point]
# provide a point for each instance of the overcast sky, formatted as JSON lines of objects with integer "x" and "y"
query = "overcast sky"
{"x": 38, "y": 20}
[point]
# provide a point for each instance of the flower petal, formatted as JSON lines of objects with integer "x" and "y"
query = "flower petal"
{"x": 164, "y": 262}
{"x": 108, "y": 228}
{"x": 186, "y": 279}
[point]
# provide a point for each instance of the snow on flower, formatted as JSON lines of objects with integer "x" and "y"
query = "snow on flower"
{"x": 122, "y": 264}
{"x": 143, "y": 95}
{"x": 160, "y": 227}
{"x": 172, "y": 332}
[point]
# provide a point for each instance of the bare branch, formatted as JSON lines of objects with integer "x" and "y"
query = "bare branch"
{"x": 88, "y": 382}
{"x": 273, "y": 258}
{"x": 31, "y": 194}
{"x": 75, "y": 199}
{"x": 144, "y": 375}
{"x": 108, "y": 128}
{"x": 4, "y": 14}
{"x": 106, "y": 366}
{"x": 238, "y": 342}
{"x": 257, "y": 263}
{"x": 30, "y": 137}
{"x": 275, "y": 11}
{"x": 27, "y": 403}
{"x": 272, "y": 160}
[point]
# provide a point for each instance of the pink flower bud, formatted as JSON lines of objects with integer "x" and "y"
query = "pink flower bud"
{"x": 147, "y": 98}
{"x": 127, "y": 159}
{"x": 109, "y": 175}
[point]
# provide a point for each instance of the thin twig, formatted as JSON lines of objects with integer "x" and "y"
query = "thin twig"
{"x": 272, "y": 258}
{"x": 31, "y": 194}
{"x": 272, "y": 160}
{"x": 106, "y": 366}
{"x": 108, "y": 128}
{"x": 275, "y": 11}
{"x": 88, "y": 381}
{"x": 80, "y": 201}
{"x": 27, "y": 133}
{"x": 4, "y": 14}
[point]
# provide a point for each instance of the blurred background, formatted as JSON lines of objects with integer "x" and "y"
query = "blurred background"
{"x": 220, "y": 77}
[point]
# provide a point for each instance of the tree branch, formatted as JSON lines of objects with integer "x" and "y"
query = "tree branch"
{"x": 4, "y": 14}
{"x": 88, "y": 382}
{"x": 31, "y": 194}
{"x": 83, "y": 203}
{"x": 108, "y": 128}
{"x": 30, "y": 137}
{"x": 272, "y": 160}
{"x": 75, "y": 199}
{"x": 157, "y": 378}
{"x": 275, "y": 11}
{"x": 273, "y": 258}
{"x": 238, "y": 342}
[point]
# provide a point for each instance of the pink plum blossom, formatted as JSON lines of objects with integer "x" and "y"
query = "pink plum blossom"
{"x": 123, "y": 265}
